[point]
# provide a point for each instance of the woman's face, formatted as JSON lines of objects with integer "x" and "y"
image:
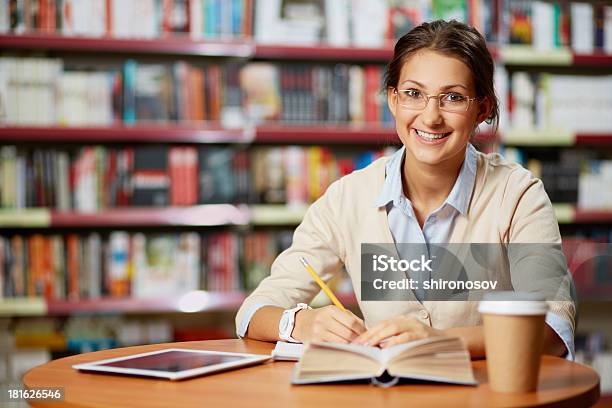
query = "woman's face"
{"x": 431, "y": 73}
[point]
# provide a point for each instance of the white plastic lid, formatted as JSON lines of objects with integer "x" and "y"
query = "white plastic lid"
{"x": 513, "y": 303}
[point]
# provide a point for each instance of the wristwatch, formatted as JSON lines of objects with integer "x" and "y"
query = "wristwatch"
{"x": 287, "y": 323}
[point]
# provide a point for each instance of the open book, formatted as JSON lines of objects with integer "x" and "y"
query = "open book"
{"x": 443, "y": 359}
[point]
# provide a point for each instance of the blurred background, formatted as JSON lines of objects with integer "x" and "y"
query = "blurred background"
{"x": 156, "y": 155}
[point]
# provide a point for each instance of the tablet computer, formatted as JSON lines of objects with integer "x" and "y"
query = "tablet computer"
{"x": 173, "y": 364}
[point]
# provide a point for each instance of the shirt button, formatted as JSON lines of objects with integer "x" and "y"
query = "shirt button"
{"x": 423, "y": 314}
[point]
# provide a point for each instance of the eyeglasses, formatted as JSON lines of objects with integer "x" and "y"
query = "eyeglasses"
{"x": 417, "y": 100}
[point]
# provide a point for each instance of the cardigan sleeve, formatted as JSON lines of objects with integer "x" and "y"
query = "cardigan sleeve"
{"x": 318, "y": 240}
{"x": 537, "y": 262}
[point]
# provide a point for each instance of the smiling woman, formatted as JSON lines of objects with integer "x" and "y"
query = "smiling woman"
{"x": 436, "y": 189}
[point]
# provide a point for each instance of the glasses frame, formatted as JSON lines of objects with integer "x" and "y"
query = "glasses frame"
{"x": 438, "y": 96}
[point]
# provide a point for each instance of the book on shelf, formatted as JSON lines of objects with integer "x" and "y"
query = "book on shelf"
{"x": 93, "y": 178}
{"x": 439, "y": 359}
{"x": 589, "y": 260}
{"x": 180, "y": 92}
{"x": 216, "y": 175}
{"x": 183, "y": 172}
{"x": 314, "y": 93}
{"x": 583, "y": 28}
{"x": 131, "y": 93}
{"x": 570, "y": 103}
{"x": 362, "y": 23}
{"x": 150, "y": 179}
{"x": 450, "y": 10}
{"x": 142, "y": 19}
{"x": 165, "y": 265}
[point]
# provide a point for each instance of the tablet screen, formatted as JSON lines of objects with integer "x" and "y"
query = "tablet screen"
{"x": 173, "y": 361}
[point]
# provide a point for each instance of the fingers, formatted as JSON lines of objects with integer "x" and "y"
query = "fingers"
{"x": 349, "y": 320}
{"x": 339, "y": 330}
{"x": 379, "y": 333}
{"x": 388, "y": 329}
{"x": 401, "y": 338}
{"x": 333, "y": 337}
{"x": 333, "y": 323}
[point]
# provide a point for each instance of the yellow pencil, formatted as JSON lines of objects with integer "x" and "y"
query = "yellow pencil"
{"x": 322, "y": 284}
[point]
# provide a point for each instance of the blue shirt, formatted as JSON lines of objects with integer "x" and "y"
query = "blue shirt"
{"x": 439, "y": 224}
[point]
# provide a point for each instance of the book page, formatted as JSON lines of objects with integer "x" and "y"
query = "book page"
{"x": 374, "y": 353}
{"x": 327, "y": 361}
{"x": 443, "y": 359}
{"x": 423, "y": 346}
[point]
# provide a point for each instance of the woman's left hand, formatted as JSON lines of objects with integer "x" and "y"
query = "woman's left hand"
{"x": 400, "y": 329}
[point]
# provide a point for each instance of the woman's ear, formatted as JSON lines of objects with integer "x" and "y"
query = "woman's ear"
{"x": 391, "y": 100}
{"x": 484, "y": 110}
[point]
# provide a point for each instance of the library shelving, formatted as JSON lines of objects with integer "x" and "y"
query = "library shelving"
{"x": 553, "y": 138}
{"x": 214, "y": 215}
{"x": 247, "y": 48}
{"x": 269, "y": 133}
{"x": 275, "y": 133}
{"x": 193, "y": 302}
{"x": 201, "y": 215}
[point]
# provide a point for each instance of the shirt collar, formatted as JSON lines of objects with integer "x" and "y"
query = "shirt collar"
{"x": 459, "y": 196}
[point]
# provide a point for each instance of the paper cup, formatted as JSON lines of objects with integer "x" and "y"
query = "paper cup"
{"x": 514, "y": 337}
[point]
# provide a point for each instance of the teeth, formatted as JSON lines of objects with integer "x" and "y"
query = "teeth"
{"x": 431, "y": 135}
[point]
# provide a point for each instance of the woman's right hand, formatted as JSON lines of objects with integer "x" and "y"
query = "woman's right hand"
{"x": 327, "y": 323}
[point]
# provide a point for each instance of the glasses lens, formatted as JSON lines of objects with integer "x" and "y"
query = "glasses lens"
{"x": 411, "y": 99}
{"x": 454, "y": 102}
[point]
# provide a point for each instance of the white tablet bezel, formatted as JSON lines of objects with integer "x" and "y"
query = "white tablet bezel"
{"x": 249, "y": 359}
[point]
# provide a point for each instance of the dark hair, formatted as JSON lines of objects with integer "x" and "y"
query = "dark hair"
{"x": 451, "y": 38}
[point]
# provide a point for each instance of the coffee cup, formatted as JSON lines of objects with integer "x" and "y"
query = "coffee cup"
{"x": 514, "y": 338}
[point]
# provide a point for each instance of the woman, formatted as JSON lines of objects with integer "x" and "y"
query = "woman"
{"x": 436, "y": 189}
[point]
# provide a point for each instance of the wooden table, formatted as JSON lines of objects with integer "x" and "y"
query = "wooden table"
{"x": 562, "y": 384}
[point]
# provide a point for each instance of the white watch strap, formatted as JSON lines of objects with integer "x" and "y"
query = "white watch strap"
{"x": 286, "y": 334}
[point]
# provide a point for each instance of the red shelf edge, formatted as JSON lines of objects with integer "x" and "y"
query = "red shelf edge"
{"x": 274, "y": 133}
{"x": 323, "y": 52}
{"x": 588, "y": 216}
{"x": 202, "y": 215}
{"x": 593, "y": 138}
{"x": 138, "y": 133}
{"x": 241, "y": 47}
{"x": 266, "y": 133}
{"x": 598, "y": 59}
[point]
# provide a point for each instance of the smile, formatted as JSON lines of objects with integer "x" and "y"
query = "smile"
{"x": 431, "y": 136}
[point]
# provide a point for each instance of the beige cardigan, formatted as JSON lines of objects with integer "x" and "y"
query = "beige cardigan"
{"x": 508, "y": 205}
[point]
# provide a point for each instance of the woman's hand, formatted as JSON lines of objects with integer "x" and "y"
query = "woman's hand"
{"x": 327, "y": 324}
{"x": 400, "y": 329}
